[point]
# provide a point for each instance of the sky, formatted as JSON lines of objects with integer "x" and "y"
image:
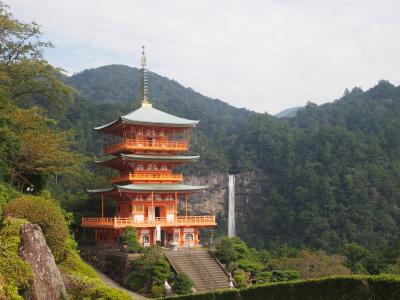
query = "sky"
{"x": 265, "y": 56}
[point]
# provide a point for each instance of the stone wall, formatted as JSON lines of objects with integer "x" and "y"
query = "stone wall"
{"x": 111, "y": 262}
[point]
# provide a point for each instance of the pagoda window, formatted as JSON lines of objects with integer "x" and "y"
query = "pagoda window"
{"x": 170, "y": 208}
{"x": 189, "y": 237}
{"x": 139, "y": 209}
{"x": 169, "y": 198}
{"x": 158, "y": 197}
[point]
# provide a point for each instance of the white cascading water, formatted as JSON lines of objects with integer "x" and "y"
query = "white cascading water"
{"x": 231, "y": 206}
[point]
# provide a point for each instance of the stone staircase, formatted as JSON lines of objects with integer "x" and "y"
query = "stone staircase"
{"x": 200, "y": 266}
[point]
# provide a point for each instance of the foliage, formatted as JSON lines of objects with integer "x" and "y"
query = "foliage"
{"x": 42, "y": 150}
{"x": 312, "y": 264}
{"x": 182, "y": 284}
{"x": 23, "y": 70}
{"x": 362, "y": 261}
{"x": 47, "y": 214}
{"x": 329, "y": 175}
{"x": 157, "y": 291}
{"x": 151, "y": 268}
{"x": 230, "y": 249}
{"x": 7, "y": 193}
{"x": 16, "y": 273}
{"x": 73, "y": 263}
{"x": 11, "y": 293}
{"x": 286, "y": 275}
{"x": 130, "y": 238}
{"x": 83, "y": 287}
{"x": 240, "y": 278}
{"x": 31, "y": 145}
{"x": 249, "y": 265}
{"x": 330, "y": 288}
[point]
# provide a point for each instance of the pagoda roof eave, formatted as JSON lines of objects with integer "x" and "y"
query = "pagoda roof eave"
{"x": 142, "y": 157}
{"x": 146, "y": 115}
{"x": 151, "y": 187}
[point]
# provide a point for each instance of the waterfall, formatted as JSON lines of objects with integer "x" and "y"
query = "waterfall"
{"x": 231, "y": 207}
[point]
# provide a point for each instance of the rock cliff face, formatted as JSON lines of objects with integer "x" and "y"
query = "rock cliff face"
{"x": 47, "y": 283}
{"x": 215, "y": 199}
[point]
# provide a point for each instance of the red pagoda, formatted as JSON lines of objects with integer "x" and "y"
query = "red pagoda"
{"x": 146, "y": 146}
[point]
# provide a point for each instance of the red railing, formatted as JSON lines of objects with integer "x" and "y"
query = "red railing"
{"x": 149, "y": 222}
{"x": 148, "y": 177}
{"x": 147, "y": 145}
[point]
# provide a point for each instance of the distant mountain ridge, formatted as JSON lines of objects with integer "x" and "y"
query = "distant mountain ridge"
{"x": 288, "y": 113}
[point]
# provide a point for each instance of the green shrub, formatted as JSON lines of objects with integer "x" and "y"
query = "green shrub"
{"x": 279, "y": 275}
{"x": 11, "y": 293}
{"x": 182, "y": 284}
{"x": 230, "y": 250}
{"x": 83, "y": 287}
{"x": 48, "y": 215}
{"x": 263, "y": 277}
{"x": 157, "y": 291}
{"x": 16, "y": 272}
{"x": 151, "y": 268}
{"x": 6, "y": 195}
{"x": 130, "y": 238}
{"x": 73, "y": 263}
{"x": 135, "y": 281}
{"x": 240, "y": 278}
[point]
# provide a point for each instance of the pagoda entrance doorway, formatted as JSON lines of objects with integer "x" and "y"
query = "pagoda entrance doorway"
{"x": 163, "y": 238}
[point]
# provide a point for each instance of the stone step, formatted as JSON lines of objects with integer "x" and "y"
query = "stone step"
{"x": 201, "y": 267}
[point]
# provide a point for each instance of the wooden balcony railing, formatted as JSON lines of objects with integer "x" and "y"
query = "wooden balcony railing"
{"x": 157, "y": 177}
{"x": 127, "y": 222}
{"x": 132, "y": 145}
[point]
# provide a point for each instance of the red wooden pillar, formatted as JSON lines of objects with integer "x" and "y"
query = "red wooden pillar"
{"x": 102, "y": 205}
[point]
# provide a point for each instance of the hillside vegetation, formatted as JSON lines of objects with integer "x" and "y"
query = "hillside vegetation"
{"x": 329, "y": 176}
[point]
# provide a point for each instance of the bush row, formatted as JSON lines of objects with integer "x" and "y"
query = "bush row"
{"x": 382, "y": 287}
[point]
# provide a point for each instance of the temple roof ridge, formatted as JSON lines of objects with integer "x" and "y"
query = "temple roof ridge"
{"x": 148, "y": 115}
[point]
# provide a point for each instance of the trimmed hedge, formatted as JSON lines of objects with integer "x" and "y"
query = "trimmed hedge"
{"x": 381, "y": 287}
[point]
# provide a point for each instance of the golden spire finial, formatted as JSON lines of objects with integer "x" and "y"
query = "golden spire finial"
{"x": 145, "y": 92}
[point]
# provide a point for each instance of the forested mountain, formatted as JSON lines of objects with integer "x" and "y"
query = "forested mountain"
{"x": 110, "y": 91}
{"x": 329, "y": 176}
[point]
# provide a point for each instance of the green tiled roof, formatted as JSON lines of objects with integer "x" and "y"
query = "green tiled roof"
{"x": 149, "y": 187}
{"x": 147, "y": 115}
{"x": 140, "y": 157}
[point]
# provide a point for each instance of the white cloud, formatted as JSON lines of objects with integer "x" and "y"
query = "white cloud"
{"x": 262, "y": 55}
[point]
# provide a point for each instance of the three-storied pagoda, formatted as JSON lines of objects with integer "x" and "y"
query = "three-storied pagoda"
{"x": 146, "y": 146}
